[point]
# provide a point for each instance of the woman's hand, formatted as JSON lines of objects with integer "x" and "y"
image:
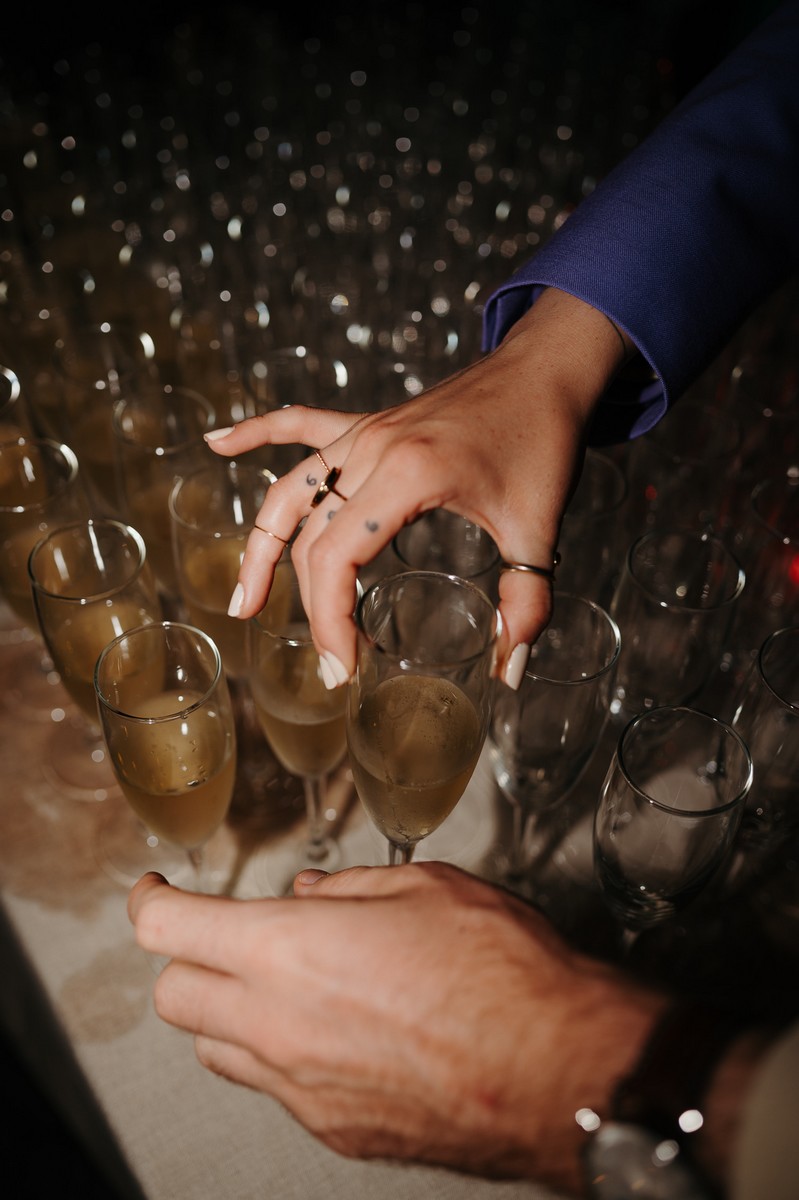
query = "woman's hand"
{"x": 411, "y": 1013}
{"x": 501, "y": 443}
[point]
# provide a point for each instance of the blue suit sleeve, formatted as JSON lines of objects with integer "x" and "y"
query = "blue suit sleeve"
{"x": 682, "y": 240}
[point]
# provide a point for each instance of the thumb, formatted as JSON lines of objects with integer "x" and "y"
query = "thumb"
{"x": 355, "y": 881}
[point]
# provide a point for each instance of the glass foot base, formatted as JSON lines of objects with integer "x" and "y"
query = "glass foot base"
{"x": 76, "y": 762}
{"x": 125, "y": 850}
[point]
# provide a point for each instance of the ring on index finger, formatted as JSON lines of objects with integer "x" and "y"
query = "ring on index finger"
{"x": 328, "y": 484}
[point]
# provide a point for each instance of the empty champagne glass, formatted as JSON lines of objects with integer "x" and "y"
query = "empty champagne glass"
{"x": 439, "y": 540}
{"x": 668, "y": 812}
{"x": 768, "y": 545}
{"x": 168, "y": 724}
{"x": 419, "y": 703}
{"x": 593, "y": 532}
{"x": 674, "y": 604}
{"x": 90, "y": 581}
{"x": 542, "y": 736}
{"x": 301, "y": 719}
{"x": 767, "y": 718}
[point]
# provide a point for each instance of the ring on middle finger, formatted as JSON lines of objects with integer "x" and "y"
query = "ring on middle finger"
{"x": 328, "y": 484}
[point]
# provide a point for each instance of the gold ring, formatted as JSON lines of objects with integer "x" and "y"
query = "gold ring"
{"x": 269, "y": 533}
{"x": 530, "y": 569}
{"x": 328, "y": 484}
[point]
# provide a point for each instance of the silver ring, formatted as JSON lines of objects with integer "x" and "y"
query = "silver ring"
{"x": 531, "y": 569}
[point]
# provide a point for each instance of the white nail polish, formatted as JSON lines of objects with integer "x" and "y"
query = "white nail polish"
{"x": 514, "y": 671}
{"x": 214, "y": 434}
{"x": 236, "y": 601}
{"x": 334, "y": 673}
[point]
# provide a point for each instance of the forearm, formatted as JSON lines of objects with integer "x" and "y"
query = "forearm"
{"x": 689, "y": 232}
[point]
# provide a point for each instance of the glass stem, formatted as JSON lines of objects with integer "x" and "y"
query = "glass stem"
{"x": 199, "y": 865}
{"x": 519, "y": 852}
{"x": 399, "y": 855}
{"x": 318, "y": 842}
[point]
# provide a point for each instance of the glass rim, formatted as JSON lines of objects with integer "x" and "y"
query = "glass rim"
{"x": 89, "y": 522}
{"x": 68, "y": 455}
{"x": 766, "y": 646}
{"x": 622, "y": 488}
{"x": 215, "y": 469}
{"x": 447, "y": 664}
{"x": 785, "y": 539}
{"x": 735, "y": 801}
{"x": 281, "y": 637}
{"x": 162, "y": 449}
{"x": 698, "y": 536}
{"x": 138, "y": 630}
{"x": 605, "y": 668}
{"x": 15, "y": 387}
{"x": 494, "y": 558}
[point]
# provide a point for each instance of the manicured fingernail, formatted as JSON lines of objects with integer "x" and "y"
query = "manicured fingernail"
{"x": 311, "y": 875}
{"x": 213, "y": 435}
{"x": 334, "y": 673}
{"x": 236, "y": 601}
{"x": 514, "y": 671}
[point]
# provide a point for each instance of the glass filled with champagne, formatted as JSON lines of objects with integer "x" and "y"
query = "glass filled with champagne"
{"x": 40, "y": 488}
{"x": 89, "y": 580}
{"x": 419, "y": 704}
{"x": 302, "y": 720}
{"x": 168, "y": 723}
{"x": 212, "y": 510}
{"x": 159, "y": 437}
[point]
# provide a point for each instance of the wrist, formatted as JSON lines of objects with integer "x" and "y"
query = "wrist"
{"x": 617, "y": 1020}
{"x": 582, "y": 347}
{"x": 674, "y": 1117}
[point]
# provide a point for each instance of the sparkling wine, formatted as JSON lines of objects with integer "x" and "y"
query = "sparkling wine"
{"x": 14, "y": 578}
{"x": 413, "y": 744}
{"x": 303, "y": 721}
{"x": 93, "y": 433}
{"x": 177, "y": 775}
{"x": 148, "y": 511}
{"x": 75, "y": 635}
{"x": 208, "y": 577}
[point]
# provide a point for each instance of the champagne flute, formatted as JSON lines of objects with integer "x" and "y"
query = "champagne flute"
{"x": 40, "y": 488}
{"x": 440, "y": 540}
{"x": 301, "y": 719}
{"x": 89, "y": 580}
{"x": 674, "y": 604}
{"x": 159, "y": 437}
{"x": 14, "y": 420}
{"x": 543, "y": 736}
{"x": 93, "y": 364}
{"x": 212, "y": 510}
{"x": 418, "y": 706}
{"x": 767, "y": 718}
{"x": 668, "y": 812}
{"x": 593, "y": 531}
{"x": 168, "y": 724}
